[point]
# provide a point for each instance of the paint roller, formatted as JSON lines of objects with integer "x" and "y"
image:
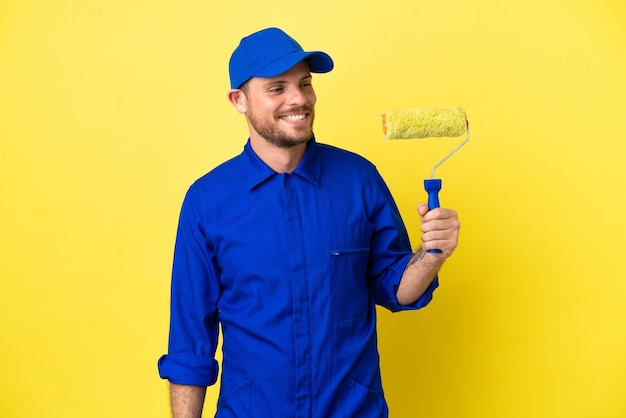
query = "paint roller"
{"x": 427, "y": 123}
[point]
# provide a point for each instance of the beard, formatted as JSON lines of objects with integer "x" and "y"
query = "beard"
{"x": 272, "y": 132}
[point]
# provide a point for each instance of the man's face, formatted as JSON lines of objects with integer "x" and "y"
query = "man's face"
{"x": 281, "y": 109}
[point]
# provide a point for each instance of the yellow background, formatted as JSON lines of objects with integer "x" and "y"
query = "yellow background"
{"x": 109, "y": 109}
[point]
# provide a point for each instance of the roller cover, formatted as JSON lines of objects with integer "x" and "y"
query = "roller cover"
{"x": 424, "y": 122}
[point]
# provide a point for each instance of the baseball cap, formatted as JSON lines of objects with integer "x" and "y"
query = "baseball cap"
{"x": 271, "y": 52}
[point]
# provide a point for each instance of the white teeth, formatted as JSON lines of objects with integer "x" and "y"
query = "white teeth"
{"x": 293, "y": 118}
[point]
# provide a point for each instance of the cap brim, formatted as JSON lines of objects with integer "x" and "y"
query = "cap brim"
{"x": 319, "y": 62}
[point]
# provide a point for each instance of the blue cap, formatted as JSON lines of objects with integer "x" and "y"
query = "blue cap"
{"x": 271, "y": 52}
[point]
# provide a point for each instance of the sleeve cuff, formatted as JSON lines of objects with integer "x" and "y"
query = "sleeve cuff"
{"x": 394, "y": 306}
{"x": 188, "y": 369}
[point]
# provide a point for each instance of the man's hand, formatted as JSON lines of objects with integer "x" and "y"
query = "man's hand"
{"x": 440, "y": 229}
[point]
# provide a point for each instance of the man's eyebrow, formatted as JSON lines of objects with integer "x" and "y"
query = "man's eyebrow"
{"x": 274, "y": 82}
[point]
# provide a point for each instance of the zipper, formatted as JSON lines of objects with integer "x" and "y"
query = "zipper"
{"x": 348, "y": 251}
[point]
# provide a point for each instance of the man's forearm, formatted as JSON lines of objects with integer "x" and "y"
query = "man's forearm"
{"x": 418, "y": 275}
{"x": 187, "y": 401}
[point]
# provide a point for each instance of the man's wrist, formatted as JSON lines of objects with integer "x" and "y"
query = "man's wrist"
{"x": 417, "y": 256}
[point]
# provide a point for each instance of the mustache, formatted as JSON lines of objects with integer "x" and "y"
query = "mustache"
{"x": 299, "y": 109}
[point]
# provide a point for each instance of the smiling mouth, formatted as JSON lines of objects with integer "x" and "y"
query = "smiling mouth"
{"x": 294, "y": 118}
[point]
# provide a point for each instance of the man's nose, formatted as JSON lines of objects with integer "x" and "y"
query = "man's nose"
{"x": 296, "y": 96}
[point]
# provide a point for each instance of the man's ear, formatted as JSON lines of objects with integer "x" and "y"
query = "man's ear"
{"x": 238, "y": 98}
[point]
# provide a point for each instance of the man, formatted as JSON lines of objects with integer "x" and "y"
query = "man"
{"x": 288, "y": 247}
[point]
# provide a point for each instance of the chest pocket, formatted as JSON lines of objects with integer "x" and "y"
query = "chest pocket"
{"x": 349, "y": 249}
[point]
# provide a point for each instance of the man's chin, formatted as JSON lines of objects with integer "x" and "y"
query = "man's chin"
{"x": 289, "y": 142}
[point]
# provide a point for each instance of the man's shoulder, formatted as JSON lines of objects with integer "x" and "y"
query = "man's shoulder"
{"x": 226, "y": 174}
{"x": 224, "y": 169}
{"x": 342, "y": 155}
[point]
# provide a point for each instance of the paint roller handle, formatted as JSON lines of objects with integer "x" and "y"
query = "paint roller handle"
{"x": 432, "y": 187}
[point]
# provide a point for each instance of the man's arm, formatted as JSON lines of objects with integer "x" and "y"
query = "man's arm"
{"x": 187, "y": 401}
{"x": 440, "y": 230}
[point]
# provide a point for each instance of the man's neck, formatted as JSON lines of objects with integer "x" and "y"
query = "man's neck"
{"x": 280, "y": 159}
